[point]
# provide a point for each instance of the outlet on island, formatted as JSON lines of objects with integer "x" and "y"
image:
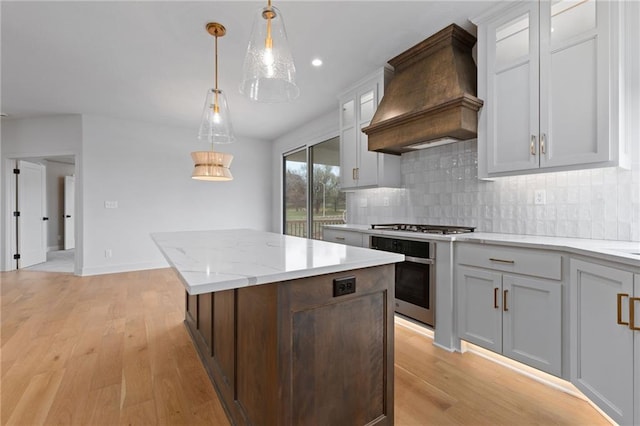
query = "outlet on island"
{"x": 342, "y": 286}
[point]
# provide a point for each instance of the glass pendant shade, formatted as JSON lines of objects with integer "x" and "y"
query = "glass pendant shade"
{"x": 269, "y": 74}
{"x": 215, "y": 125}
{"x": 211, "y": 165}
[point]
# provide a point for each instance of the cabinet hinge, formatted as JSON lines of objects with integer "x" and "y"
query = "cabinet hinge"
{"x": 16, "y": 214}
{"x": 16, "y": 171}
{"x": 16, "y": 256}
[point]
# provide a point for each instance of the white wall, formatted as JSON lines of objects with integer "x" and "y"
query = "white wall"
{"x": 56, "y": 172}
{"x": 36, "y": 137}
{"x": 321, "y": 129}
{"x": 147, "y": 169}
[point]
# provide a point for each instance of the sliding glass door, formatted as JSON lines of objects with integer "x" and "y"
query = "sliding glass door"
{"x": 295, "y": 193}
{"x": 312, "y": 196}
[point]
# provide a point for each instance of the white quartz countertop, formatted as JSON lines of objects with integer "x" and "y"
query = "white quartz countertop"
{"x": 627, "y": 252}
{"x": 209, "y": 261}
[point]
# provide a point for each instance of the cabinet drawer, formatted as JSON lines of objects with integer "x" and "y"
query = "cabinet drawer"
{"x": 349, "y": 238}
{"x": 532, "y": 262}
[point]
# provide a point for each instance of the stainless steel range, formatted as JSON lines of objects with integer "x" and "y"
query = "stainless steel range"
{"x": 415, "y": 286}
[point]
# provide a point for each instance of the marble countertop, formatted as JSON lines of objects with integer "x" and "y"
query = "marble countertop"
{"x": 627, "y": 252}
{"x": 208, "y": 261}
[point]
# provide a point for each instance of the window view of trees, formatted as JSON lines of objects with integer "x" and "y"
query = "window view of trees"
{"x": 326, "y": 201}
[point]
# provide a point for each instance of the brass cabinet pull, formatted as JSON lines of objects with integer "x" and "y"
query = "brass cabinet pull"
{"x": 532, "y": 148}
{"x": 620, "y": 296}
{"x": 353, "y": 174}
{"x": 632, "y": 313}
{"x": 493, "y": 259}
{"x": 543, "y": 150}
{"x": 495, "y": 297}
{"x": 504, "y": 300}
{"x": 340, "y": 238}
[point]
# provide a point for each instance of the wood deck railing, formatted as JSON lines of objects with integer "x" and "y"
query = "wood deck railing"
{"x": 299, "y": 227}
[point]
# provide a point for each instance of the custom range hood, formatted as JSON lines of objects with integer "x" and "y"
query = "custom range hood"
{"x": 431, "y": 98}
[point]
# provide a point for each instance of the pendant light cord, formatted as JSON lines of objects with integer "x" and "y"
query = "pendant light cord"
{"x": 216, "y": 67}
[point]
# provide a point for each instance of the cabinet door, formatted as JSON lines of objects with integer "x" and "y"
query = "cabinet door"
{"x": 601, "y": 349}
{"x": 532, "y": 322}
{"x": 348, "y": 142}
{"x": 479, "y": 307}
{"x": 636, "y": 339}
{"x": 512, "y": 90}
{"x": 367, "y": 160}
{"x": 574, "y": 82}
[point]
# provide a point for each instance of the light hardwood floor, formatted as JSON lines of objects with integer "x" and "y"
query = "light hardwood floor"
{"x": 112, "y": 349}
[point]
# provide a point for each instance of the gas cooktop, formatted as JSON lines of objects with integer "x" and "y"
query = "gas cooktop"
{"x": 427, "y": 229}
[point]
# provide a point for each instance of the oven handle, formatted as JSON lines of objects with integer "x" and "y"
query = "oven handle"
{"x": 418, "y": 260}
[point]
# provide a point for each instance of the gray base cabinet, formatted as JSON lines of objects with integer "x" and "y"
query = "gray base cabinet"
{"x": 513, "y": 314}
{"x": 605, "y": 339}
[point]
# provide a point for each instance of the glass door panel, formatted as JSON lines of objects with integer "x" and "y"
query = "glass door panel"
{"x": 295, "y": 193}
{"x": 328, "y": 203}
{"x": 571, "y": 17}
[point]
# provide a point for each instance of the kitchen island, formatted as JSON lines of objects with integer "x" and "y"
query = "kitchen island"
{"x": 290, "y": 330}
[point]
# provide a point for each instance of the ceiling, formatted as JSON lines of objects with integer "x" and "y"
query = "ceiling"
{"x": 152, "y": 61}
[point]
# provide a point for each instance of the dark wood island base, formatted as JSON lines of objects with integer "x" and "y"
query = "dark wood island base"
{"x": 292, "y": 353}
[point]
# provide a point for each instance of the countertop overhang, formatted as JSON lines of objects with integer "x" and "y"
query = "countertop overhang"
{"x": 215, "y": 260}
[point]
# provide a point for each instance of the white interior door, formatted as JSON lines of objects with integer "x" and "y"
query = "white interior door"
{"x": 69, "y": 216}
{"x": 32, "y": 228}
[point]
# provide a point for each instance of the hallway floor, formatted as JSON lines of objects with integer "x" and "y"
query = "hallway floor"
{"x": 57, "y": 261}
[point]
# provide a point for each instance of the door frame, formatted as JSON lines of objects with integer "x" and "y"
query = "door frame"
{"x": 9, "y": 198}
{"x": 322, "y": 137}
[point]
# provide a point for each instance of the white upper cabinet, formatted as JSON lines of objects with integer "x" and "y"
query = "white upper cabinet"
{"x": 359, "y": 167}
{"x": 549, "y": 74}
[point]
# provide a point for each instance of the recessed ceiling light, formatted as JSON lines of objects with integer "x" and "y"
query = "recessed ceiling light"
{"x": 316, "y": 62}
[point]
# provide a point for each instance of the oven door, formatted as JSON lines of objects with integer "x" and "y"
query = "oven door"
{"x": 415, "y": 289}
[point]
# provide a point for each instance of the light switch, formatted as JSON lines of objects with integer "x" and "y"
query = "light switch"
{"x": 110, "y": 204}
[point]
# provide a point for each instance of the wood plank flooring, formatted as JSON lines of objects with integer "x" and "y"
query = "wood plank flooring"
{"x": 112, "y": 349}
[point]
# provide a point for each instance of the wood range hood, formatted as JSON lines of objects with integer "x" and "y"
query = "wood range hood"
{"x": 431, "y": 99}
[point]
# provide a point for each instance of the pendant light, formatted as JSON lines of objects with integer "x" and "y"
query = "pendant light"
{"x": 269, "y": 74}
{"x": 215, "y": 126}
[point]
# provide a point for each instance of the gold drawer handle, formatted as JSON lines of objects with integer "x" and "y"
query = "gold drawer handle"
{"x": 632, "y": 313}
{"x": 504, "y": 301}
{"x": 532, "y": 148}
{"x": 495, "y": 297}
{"x": 340, "y": 238}
{"x": 620, "y": 296}
{"x": 511, "y": 262}
{"x": 543, "y": 138}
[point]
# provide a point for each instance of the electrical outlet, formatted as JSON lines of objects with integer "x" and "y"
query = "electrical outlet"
{"x": 110, "y": 204}
{"x": 342, "y": 286}
{"x": 540, "y": 197}
{"x": 385, "y": 201}
{"x": 108, "y": 253}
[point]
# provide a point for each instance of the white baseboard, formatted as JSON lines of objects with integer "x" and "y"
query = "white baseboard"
{"x": 128, "y": 267}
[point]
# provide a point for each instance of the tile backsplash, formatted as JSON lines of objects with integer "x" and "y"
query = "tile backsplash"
{"x": 440, "y": 186}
